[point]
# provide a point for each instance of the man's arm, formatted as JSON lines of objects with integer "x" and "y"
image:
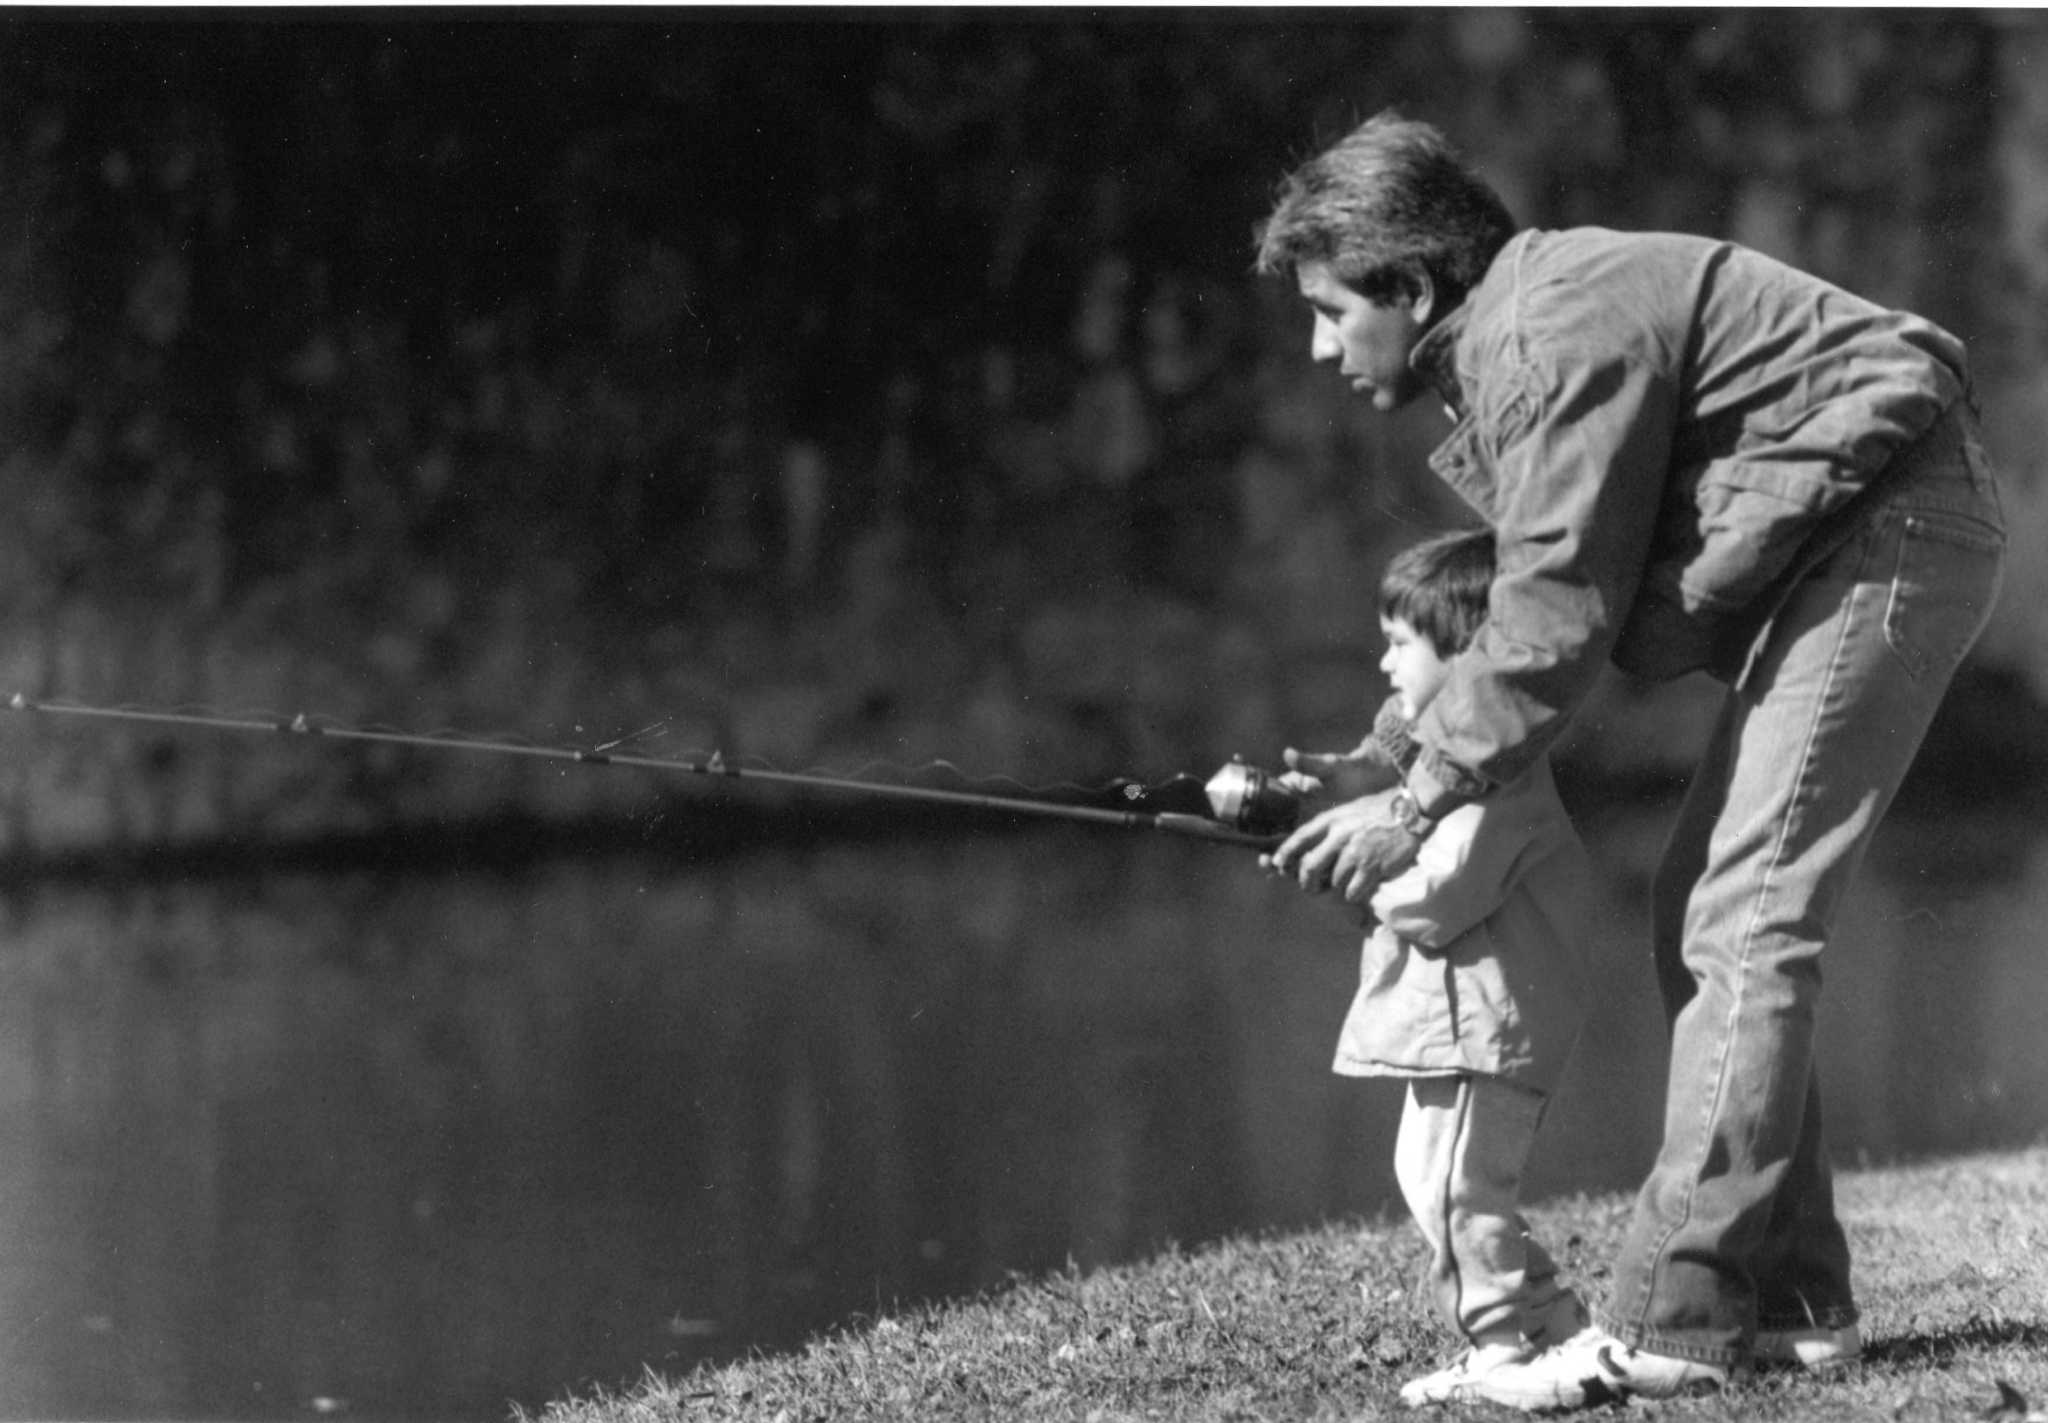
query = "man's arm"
{"x": 1580, "y": 469}
{"x": 1584, "y": 448}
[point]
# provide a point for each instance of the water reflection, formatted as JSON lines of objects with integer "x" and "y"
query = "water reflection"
{"x": 426, "y": 1146}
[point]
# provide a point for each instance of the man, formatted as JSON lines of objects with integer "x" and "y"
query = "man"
{"x": 1695, "y": 459}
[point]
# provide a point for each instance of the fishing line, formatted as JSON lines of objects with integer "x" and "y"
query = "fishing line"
{"x": 1240, "y": 827}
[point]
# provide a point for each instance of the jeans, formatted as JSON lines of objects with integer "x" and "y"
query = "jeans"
{"x": 1463, "y": 1143}
{"x": 1735, "y": 1228}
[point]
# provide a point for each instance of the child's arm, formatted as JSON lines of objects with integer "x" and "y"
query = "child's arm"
{"x": 1337, "y": 776}
{"x": 1374, "y": 765}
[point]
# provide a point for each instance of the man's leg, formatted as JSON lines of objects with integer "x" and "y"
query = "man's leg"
{"x": 1801, "y": 1268}
{"x": 1815, "y": 745}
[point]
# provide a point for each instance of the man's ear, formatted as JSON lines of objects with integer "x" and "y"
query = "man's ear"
{"x": 1423, "y": 307}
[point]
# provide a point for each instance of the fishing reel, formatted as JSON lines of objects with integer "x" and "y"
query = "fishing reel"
{"x": 1247, "y": 798}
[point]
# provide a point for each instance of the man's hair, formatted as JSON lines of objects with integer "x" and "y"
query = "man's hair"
{"x": 1439, "y": 587}
{"x": 1389, "y": 201}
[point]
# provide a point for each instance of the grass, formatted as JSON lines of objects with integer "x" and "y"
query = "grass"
{"x": 1952, "y": 1269}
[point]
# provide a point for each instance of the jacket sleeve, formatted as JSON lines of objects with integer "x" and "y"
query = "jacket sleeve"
{"x": 1461, "y": 875}
{"x": 1392, "y": 739}
{"x": 1582, "y": 450}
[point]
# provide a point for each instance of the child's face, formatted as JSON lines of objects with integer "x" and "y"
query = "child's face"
{"x": 1412, "y": 665}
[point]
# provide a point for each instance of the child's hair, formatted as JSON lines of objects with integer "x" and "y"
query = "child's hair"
{"x": 1439, "y": 588}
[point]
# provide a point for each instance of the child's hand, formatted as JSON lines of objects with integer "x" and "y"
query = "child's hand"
{"x": 1337, "y": 776}
{"x": 1300, "y": 782}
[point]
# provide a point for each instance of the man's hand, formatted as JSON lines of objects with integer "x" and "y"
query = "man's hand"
{"x": 1350, "y": 848}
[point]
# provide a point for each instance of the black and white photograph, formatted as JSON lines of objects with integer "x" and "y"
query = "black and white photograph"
{"x": 782, "y": 714}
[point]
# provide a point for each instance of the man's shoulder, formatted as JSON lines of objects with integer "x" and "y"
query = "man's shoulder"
{"x": 1652, "y": 271}
{"x": 1572, "y": 249}
{"x": 1588, "y": 291}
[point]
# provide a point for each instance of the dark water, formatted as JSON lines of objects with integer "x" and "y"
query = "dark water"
{"x": 380, "y": 1147}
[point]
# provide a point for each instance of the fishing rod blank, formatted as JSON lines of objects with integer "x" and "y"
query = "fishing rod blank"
{"x": 1253, "y": 819}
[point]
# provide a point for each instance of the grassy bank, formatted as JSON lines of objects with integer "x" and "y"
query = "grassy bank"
{"x": 1952, "y": 1262}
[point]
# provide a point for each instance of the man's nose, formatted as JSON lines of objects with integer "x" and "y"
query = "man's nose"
{"x": 1323, "y": 344}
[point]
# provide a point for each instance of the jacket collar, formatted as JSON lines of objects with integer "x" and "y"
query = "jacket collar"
{"x": 1435, "y": 358}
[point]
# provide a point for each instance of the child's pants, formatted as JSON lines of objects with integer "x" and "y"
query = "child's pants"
{"x": 1459, "y": 1157}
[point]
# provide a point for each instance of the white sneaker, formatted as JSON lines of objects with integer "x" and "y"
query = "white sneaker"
{"x": 1591, "y": 1368}
{"x": 1460, "y": 1381}
{"x": 1814, "y": 1348}
{"x": 1563, "y": 1317}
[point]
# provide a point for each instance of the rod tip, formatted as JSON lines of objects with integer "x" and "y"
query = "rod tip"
{"x": 18, "y": 702}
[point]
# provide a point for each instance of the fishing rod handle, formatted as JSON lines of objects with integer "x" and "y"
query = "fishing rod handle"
{"x": 1203, "y": 828}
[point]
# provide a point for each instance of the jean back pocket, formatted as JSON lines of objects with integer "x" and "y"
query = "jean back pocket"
{"x": 1943, "y": 586}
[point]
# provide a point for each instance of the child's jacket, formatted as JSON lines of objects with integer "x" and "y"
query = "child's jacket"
{"x": 1477, "y": 962}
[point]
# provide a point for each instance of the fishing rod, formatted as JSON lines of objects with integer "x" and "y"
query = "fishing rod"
{"x": 1249, "y": 807}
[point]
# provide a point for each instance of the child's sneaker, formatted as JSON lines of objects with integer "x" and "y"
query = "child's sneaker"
{"x": 1563, "y": 1317}
{"x": 1593, "y": 1367}
{"x": 1814, "y": 1348}
{"x": 1461, "y": 1380}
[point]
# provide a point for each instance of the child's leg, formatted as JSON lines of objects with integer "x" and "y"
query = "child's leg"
{"x": 1459, "y": 1157}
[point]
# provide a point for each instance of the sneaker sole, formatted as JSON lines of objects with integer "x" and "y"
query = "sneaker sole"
{"x": 1820, "y": 1352}
{"x": 1815, "y": 1361}
{"x": 1552, "y": 1398}
{"x": 1610, "y": 1385}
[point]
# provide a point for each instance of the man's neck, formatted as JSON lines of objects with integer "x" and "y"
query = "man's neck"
{"x": 1435, "y": 358}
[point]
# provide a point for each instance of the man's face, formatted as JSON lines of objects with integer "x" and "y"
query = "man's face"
{"x": 1370, "y": 342}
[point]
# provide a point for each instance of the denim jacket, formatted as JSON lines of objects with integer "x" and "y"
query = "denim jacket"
{"x": 1478, "y": 960}
{"x": 1662, "y": 430}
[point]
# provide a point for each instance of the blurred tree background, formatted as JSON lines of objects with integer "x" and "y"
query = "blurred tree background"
{"x": 829, "y": 387}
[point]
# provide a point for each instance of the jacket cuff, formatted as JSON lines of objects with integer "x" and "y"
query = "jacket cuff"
{"x": 1457, "y": 783}
{"x": 1394, "y": 737}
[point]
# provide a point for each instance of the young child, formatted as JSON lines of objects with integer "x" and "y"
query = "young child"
{"x": 1471, "y": 989}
